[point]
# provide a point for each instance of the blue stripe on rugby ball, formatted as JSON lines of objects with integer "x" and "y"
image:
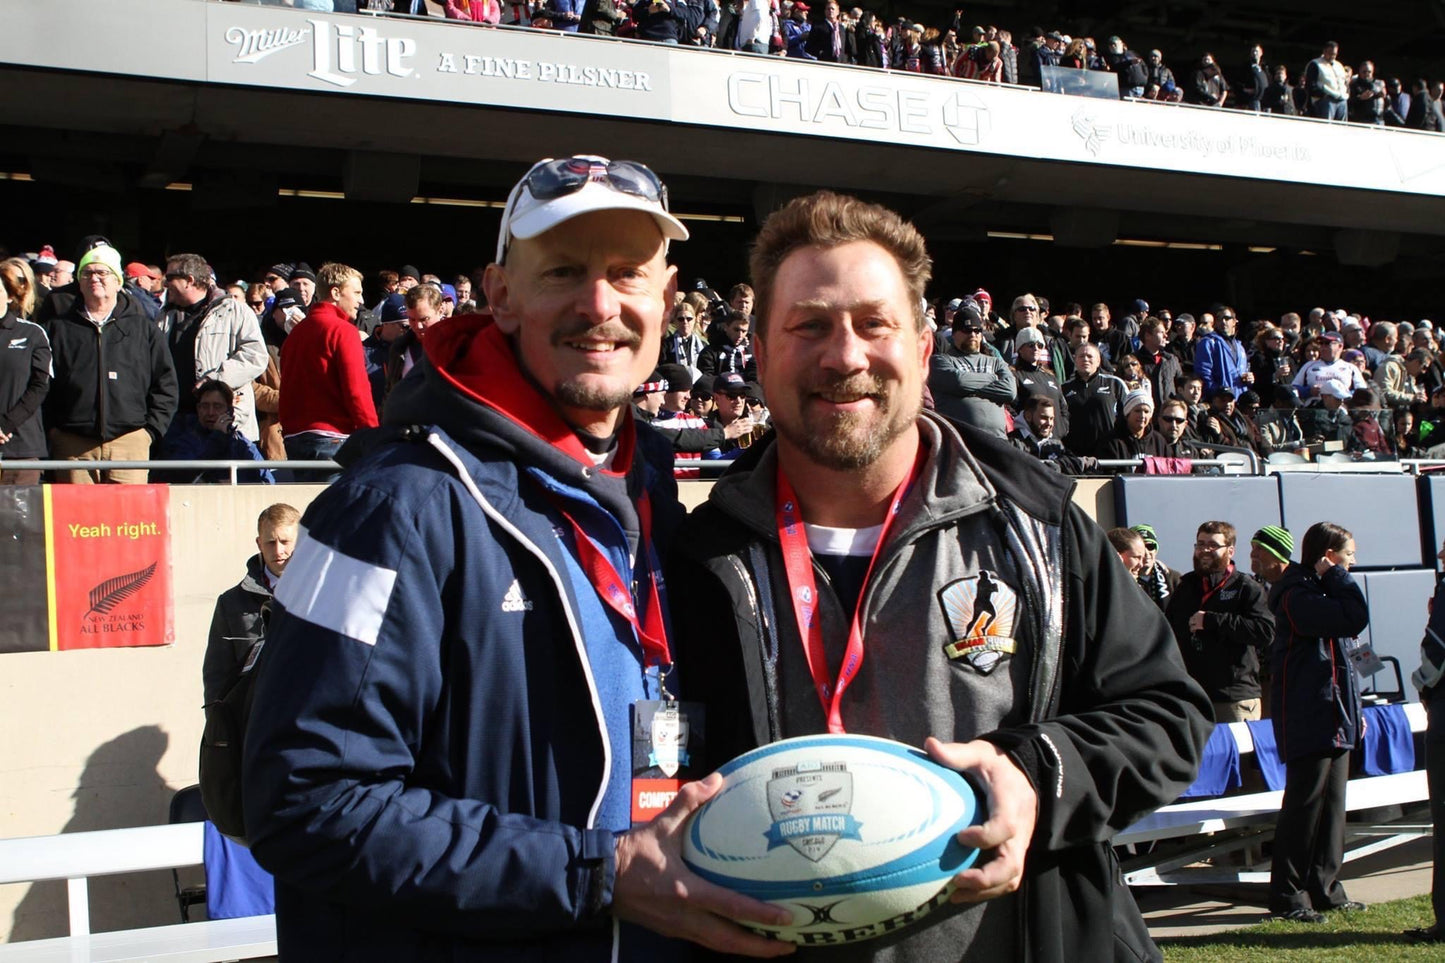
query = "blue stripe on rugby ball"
{"x": 938, "y": 858}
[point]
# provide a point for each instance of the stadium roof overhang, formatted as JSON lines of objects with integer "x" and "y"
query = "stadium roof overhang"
{"x": 235, "y": 99}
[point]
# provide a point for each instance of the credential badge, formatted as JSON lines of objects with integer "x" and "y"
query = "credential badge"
{"x": 669, "y": 740}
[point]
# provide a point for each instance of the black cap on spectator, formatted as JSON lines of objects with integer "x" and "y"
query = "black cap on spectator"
{"x": 409, "y": 271}
{"x": 282, "y": 271}
{"x": 1250, "y": 399}
{"x": 302, "y": 270}
{"x": 393, "y": 308}
{"x": 755, "y": 393}
{"x": 702, "y": 387}
{"x": 88, "y": 242}
{"x": 1284, "y": 397}
{"x": 730, "y": 383}
{"x": 968, "y": 318}
{"x": 287, "y": 298}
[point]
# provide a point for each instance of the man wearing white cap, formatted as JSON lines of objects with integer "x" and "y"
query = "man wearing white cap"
{"x": 1329, "y": 366}
{"x": 471, "y": 630}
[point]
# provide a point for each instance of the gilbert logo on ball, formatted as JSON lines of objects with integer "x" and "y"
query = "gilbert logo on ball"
{"x": 856, "y": 836}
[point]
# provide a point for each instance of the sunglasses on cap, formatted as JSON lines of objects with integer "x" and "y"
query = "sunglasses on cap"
{"x": 551, "y": 179}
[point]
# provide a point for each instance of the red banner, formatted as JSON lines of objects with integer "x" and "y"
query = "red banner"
{"x": 108, "y": 566}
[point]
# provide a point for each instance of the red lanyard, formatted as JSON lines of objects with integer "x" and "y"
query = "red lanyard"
{"x": 1209, "y": 592}
{"x": 803, "y": 587}
{"x": 613, "y": 589}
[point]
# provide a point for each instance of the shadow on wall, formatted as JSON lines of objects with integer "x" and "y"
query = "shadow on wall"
{"x": 120, "y": 788}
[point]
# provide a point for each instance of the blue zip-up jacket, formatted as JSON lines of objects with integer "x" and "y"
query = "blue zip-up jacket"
{"x": 427, "y": 752}
{"x": 1219, "y": 362}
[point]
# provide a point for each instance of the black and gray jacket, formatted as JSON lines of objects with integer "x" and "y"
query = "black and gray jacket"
{"x": 1106, "y": 723}
{"x": 236, "y": 627}
{"x": 24, "y": 381}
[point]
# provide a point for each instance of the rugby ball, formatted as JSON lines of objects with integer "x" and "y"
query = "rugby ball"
{"x": 855, "y": 835}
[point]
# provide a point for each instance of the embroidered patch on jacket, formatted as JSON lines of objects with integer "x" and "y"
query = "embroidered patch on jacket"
{"x": 981, "y": 612}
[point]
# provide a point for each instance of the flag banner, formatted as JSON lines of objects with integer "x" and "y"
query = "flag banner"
{"x": 25, "y": 626}
{"x": 108, "y": 566}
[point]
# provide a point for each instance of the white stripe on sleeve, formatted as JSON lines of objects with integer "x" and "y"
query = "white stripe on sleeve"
{"x": 335, "y": 591}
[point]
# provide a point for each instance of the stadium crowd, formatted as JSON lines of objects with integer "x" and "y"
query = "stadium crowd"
{"x": 287, "y": 365}
{"x": 1324, "y": 87}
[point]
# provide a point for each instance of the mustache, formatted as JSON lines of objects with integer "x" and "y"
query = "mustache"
{"x": 584, "y": 330}
{"x": 837, "y": 387}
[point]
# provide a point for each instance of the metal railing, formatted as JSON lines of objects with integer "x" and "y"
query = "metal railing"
{"x": 195, "y": 464}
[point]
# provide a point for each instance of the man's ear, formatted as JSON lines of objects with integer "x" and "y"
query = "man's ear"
{"x": 499, "y": 297}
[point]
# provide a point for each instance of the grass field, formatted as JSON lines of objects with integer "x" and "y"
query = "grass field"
{"x": 1372, "y": 936}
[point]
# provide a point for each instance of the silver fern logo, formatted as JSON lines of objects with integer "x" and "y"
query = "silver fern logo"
{"x": 107, "y": 615}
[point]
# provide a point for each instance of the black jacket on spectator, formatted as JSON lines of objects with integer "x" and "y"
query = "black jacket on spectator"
{"x": 1094, "y": 409}
{"x": 678, "y": 22}
{"x": 1278, "y": 99}
{"x": 1124, "y": 445}
{"x": 720, "y": 358}
{"x": 820, "y": 43}
{"x": 1252, "y": 88}
{"x": 869, "y": 50}
{"x": 1224, "y": 658}
{"x": 111, "y": 381}
{"x": 1206, "y": 86}
{"x": 24, "y": 381}
{"x": 1032, "y": 380}
{"x": 236, "y": 627}
{"x": 1161, "y": 370}
{"x": 1184, "y": 351}
{"x": 1425, "y": 114}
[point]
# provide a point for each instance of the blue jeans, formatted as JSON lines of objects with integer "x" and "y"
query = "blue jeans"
{"x": 309, "y": 446}
{"x": 1326, "y": 109}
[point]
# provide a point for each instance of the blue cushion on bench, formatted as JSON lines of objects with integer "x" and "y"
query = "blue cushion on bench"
{"x": 235, "y": 885}
{"x": 1219, "y": 769}
{"x": 1266, "y": 753}
{"x": 1389, "y": 745}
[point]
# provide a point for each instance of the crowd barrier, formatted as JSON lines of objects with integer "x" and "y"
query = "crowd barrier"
{"x": 78, "y": 857}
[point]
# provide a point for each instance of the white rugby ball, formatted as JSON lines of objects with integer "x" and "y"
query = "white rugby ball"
{"x": 855, "y": 835}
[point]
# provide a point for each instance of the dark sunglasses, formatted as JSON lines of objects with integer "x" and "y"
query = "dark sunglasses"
{"x": 558, "y": 178}
{"x": 549, "y": 180}
{"x": 1175, "y": 420}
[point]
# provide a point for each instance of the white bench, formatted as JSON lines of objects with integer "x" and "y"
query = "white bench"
{"x": 75, "y": 857}
{"x": 1239, "y": 822}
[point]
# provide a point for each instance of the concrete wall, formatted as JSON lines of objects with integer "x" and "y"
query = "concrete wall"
{"x": 101, "y": 738}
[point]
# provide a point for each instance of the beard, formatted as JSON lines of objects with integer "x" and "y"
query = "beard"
{"x": 586, "y": 393}
{"x": 591, "y": 397}
{"x": 848, "y": 440}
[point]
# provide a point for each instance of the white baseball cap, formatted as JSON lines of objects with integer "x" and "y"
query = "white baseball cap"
{"x": 557, "y": 190}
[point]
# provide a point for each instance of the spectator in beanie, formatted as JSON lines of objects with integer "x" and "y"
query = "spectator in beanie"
{"x": 1158, "y": 580}
{"x": 303, "y": 280}
{"x": 92, "y": 417}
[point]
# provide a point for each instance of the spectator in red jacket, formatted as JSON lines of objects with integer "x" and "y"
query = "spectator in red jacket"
{"x": 325, "y": 394}
{"x": 478, "y": 11}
